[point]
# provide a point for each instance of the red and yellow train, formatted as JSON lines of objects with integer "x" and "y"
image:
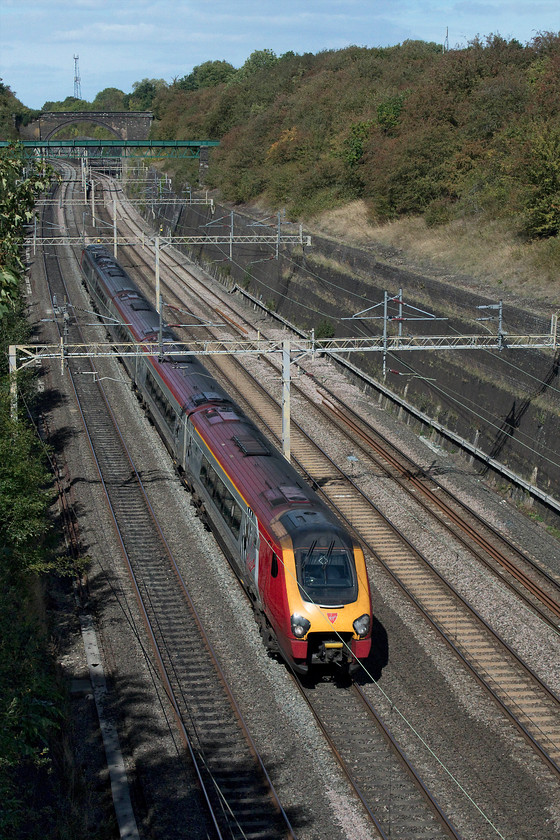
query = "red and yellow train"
{"x": 306, "y": 576}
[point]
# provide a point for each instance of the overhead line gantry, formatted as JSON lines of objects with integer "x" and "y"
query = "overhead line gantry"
{"x": 77, "y": 148}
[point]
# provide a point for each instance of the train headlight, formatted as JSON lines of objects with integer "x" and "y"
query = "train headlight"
{"x": 361, "y": 625}
{"x": 300, "y": 625}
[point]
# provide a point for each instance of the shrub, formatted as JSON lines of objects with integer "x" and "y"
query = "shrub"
{"x": 324, "y": 329}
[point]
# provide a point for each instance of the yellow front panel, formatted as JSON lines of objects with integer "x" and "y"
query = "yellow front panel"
{"x": 325, "y": 619}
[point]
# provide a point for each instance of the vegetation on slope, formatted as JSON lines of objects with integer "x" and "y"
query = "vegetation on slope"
{"x": 12, "y": 113}
{"x": 409, "y": 129}
{"x": 17, "y": 198}
{"x": 31, "y": 700}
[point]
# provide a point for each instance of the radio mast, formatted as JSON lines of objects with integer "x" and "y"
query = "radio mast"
{"x": 77, "y": 84}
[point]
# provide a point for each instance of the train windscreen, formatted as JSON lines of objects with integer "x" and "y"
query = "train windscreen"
{"x": 325, "y": 569}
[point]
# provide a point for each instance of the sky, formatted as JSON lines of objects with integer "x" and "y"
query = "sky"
{"x": 121, "y": 42}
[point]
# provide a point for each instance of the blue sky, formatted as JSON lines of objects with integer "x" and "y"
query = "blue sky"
{"x": 119, "y": 43}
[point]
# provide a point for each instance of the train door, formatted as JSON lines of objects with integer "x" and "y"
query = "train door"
{"x": 179, "y": 440}
{"x": 250, "y": 545}
{"x": 192, "y": 453}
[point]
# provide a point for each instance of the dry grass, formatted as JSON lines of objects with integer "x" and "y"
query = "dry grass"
{"x": 483, "y": 256}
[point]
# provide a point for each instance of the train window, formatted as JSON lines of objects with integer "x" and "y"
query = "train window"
{"x": 325, "y": 568}
{"x": 100, "y": 293}
{"x": 219, "y": 493}
{"x": 164, "y": 406}
{"x": 207, "y": 475}
{"x": 274, "y": 565}
{"x": 221, "y": 496}
{"x": 235, "y": 519}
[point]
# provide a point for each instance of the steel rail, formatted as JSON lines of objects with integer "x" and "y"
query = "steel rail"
{"x": 432, "y": 804}
{"x": 407, "y": 479}
{"x": 324, "y": 722}
{"x": 550, "y": 754}
{"x": 147, "y": 624}
{"x": 408, "y": 472}
{"x": 152, "y": 636}
{"x": 552, "y": 762}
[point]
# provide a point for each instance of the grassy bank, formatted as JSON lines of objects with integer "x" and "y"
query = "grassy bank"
{"x": 486, "y": 255}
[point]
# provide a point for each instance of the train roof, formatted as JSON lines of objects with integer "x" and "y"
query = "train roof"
{"x": 269, "y": 484}
{"x": 114, "y": 276}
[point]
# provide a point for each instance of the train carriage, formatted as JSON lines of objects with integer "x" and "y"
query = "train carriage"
{"x": 304, "y": 573}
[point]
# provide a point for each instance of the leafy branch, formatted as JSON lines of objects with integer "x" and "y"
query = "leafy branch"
{"x": 20, "y": 184}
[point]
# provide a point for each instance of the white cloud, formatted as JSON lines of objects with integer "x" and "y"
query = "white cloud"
{"x": 119, "y": 44}
{"x": 102, "y": 32}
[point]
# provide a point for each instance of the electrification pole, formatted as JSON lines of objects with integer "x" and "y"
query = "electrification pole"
{"x": 286, "y": 399}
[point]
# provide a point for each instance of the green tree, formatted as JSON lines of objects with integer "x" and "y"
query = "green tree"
{"x": 12, "y": 113}
{"x": 22, "y": 503}
{"x": 354, "y": 144}
{"x": 19, "y": 185}
{"x": 389, "y": 112}
{"x": 30, "y": 700}
{"x": 542, "y": 205}
{"x": 144, "y": 94}
{"x": 109, "y": 99}
{"x": 207, "y": 75}
{"x": 69, "y": 104}
{"x": 257, "y": 61}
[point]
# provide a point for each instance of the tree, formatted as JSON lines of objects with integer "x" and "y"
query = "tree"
{"x": 389, "y": 112}
{"x": 144, "y": 94}
{"x": 257, "y": 61}
{"x": 19, "y": 184}
{"x": 12, "y": 113}
{"x": 69, "y": 104}
{"x": 542, "y": 206}
{"x": 207, "y": 75}
{"x": 109, "y": 99}
{"x": 30, "y": 701}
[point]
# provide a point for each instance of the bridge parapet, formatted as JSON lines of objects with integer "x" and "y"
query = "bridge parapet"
{"x": 126, "y": 125}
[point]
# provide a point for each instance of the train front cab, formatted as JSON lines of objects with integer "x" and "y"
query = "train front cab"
{"x": 328, "y": 597}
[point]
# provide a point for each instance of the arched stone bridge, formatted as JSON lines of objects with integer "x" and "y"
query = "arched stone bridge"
{"x": 126, "y": 125}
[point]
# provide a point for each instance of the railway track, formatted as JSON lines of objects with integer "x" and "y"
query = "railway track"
{"x": 369, "y": 758}
{"x": 234, "y": 784}
{"x": 382, "y": 775}
{"x": 536, "y": 586}
{"x": 514, "y": 687}
{"x": 527, "y": 701}
{"x": 528, "y": 577}
{"x": 532, "y": 582}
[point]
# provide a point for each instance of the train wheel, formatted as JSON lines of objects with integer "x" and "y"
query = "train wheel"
{"x": 267, "y": 633}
